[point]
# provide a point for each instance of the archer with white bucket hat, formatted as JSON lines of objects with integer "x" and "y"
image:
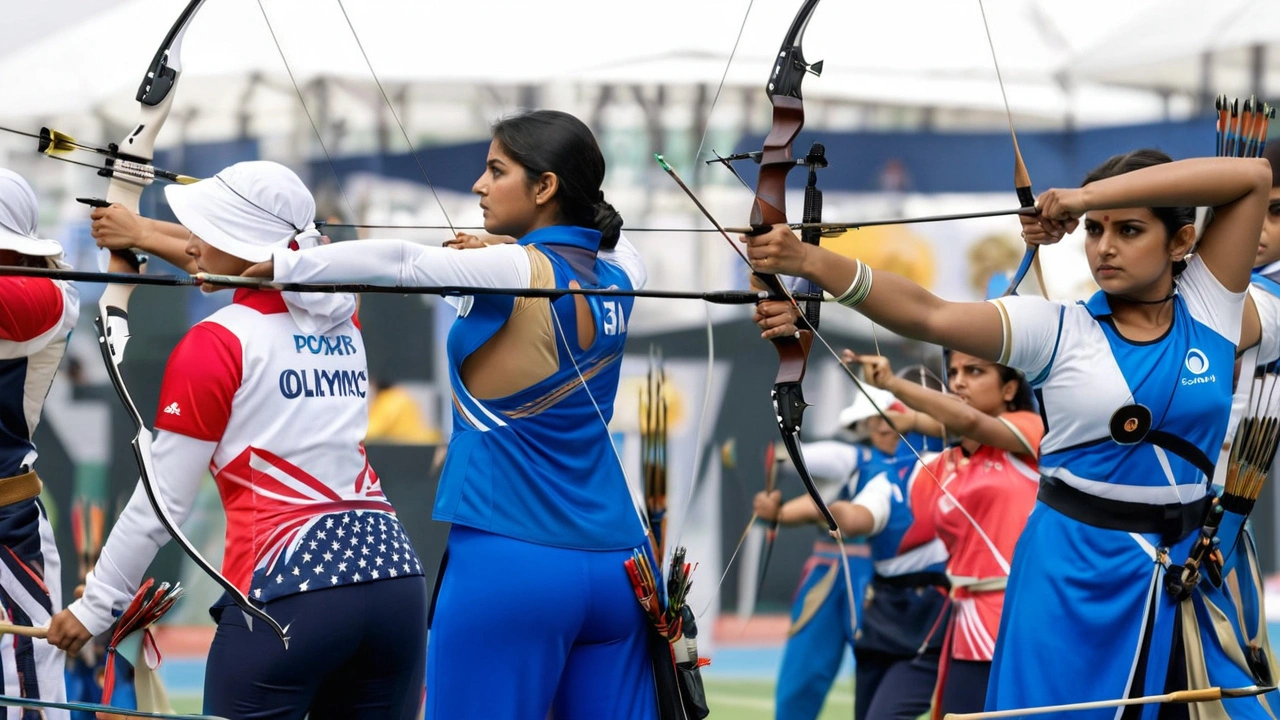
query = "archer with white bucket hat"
{"x": 270, "y": 395}
{"x": 36, "y": 318}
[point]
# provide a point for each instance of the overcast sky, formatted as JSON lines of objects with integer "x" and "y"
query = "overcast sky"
{"x": 26, "y": 22}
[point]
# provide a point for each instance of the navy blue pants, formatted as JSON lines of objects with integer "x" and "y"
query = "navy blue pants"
{"x": 966, "y": 688}
{"x": 894, "y": 687}
{"x": 355, "y": 652}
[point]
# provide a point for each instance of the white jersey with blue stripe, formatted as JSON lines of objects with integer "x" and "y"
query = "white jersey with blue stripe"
{"x": 1084, "y": 371}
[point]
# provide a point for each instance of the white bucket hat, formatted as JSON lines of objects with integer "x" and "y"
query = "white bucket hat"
{"x": 251, "y": 209}
{"x": 861, "y": 409}
{"x": 248, "y": 210}
{"x": 19, "y": 213}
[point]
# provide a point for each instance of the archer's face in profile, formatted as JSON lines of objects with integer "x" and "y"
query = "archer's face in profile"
{"x": 210, "y": 259}
{"x": 507, "y": 197}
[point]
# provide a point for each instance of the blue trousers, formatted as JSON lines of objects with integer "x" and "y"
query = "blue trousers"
{"x": 355, "y": 651}
{"x": 815, "y": 650}
{"x": 520, "y": 629}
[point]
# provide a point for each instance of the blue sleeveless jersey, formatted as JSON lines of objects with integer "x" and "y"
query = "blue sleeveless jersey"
{"x": 539, "y": 465}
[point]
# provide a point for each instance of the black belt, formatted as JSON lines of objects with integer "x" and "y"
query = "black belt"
{"x": 913, "y": 579}
{"x": 1172, "y": 522}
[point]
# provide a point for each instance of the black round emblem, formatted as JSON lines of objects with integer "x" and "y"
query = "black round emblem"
{"x": 1130, "y": 424}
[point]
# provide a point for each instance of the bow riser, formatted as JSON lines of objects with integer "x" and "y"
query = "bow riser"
{"x": 776, "y": 162}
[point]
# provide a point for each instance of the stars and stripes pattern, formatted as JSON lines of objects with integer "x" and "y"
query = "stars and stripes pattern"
{"x": 343, "y": 548}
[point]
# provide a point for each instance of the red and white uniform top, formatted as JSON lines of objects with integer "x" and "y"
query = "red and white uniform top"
{"x": 278, "y": 416}
{"x": 979, "y": 517}
{"x": 37, "y": 316}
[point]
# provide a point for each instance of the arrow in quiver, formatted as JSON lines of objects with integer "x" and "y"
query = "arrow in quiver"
{"x": 653, "y": 450}
{"x": 132, "y": 638}
{"x": 1242, "y": 127}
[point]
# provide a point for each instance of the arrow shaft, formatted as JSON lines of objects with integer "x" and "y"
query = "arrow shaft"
{"x": 720, "y": 297}
{"x": 742, "y": 230}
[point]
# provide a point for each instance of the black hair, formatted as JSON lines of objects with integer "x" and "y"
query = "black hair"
{"x": 1173, "y": 218}
{"x": 1023, "y": 399}
{"x": 551, "y": 141}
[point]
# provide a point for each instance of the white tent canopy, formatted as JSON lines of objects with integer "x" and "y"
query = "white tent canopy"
{"x": 1184, "y": 44}
{"x": 906, "y": 54}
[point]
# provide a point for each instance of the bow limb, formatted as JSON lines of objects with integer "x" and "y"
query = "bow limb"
{"x": 1021, "y": 178}
{"x": 155, "y": 97}
{"x": 771, "y": 530}
{"x": 1026, "y": 199}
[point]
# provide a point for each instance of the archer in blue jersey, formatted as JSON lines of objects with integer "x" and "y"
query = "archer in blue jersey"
{"x": 534, "y": 612}
{"x": 822, "y": 622}
{"x": 1135, "y": 389}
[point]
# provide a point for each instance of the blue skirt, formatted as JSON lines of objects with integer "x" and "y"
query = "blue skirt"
{"x": 1086, "y": 618}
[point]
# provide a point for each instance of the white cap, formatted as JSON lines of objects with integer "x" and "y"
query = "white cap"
{"x": 861, "y": 409}
{"x": 247, "y": 210}
{"x": 18, "y": 215}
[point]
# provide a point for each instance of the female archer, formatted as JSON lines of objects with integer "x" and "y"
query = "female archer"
{"x": 534, "y": 611}
{"x": 270, "y": 395}
{"x": 975, "y": 497}
{"x": 1135, "y": 386}
{"x": 36, "y": 317}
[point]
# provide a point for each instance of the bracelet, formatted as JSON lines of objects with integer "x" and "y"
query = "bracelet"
{"x": 859, "y": 289}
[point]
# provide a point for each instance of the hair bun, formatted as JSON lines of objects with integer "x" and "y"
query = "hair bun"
{"x": 608, "y": 222}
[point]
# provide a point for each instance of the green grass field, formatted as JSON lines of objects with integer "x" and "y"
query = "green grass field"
{"x": 728, "y": 699}
{"x": 753, "y": 700}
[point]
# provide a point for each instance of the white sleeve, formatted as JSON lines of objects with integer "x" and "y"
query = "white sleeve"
{"x": 1210, "y": 302}
{"x": 1269, "y": 315}
{"x": 830, "y": 460}
{"x": 626, "y": 257}
{"x": 180, "y": 462}
{"x": 1032, "y": 328}
{"x": 877, "y": 497}
{"x": 404, "y": 263}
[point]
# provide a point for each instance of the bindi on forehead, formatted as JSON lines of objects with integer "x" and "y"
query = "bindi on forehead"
{"x": 1106, "y": 218}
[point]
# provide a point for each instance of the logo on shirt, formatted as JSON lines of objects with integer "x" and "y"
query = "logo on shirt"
{"x": 173, "y": 409}
{"x": 324, "y": 344}
{"x": 323, "y": 383}
{"x": 1197, "y": 362}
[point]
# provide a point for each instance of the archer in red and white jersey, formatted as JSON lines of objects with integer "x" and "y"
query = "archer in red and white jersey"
{"x": 975, "y": 497}
{"x": 270, "y": 395}
{"x": 36, "y": 318}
